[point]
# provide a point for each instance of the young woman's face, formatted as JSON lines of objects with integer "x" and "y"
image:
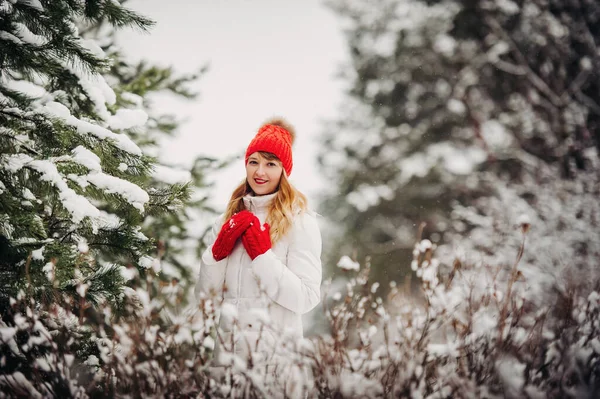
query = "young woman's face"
{"x": 262, "y": 174}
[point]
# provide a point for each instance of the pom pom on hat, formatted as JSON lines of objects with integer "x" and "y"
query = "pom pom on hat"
{"x": 276, "y": 136}
{"x": 278, "y": 121}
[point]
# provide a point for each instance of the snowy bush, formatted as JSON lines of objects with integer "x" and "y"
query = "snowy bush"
{"x": 477, "y": 330}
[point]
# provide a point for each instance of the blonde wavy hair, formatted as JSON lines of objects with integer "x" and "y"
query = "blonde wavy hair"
{"x": 281, "y": 211}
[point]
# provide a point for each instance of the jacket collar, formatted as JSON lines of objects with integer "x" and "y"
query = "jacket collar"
{"x": 258, "y": 203}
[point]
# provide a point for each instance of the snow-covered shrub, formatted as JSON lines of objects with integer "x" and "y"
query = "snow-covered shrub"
{"x": 139, "y": 353}
{"x": 478, "y": 330}
{"x": 481, "y": 332}
{"x": 563, "y": 243}
{"x": 39, "y": 351}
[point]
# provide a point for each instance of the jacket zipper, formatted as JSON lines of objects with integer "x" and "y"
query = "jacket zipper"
{"x": 239, "y": 292}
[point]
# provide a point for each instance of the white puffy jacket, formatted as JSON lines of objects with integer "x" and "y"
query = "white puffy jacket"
{"x": 290, "y": 273}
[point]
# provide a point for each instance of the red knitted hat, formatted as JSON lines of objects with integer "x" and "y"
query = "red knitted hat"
{"x": 275, "y": 136}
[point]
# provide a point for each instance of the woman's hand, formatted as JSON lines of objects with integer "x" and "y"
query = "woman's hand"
{"x": 256, "y": 239}
{"x": 230, "y": 232}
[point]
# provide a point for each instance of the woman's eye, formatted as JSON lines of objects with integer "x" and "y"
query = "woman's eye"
{"x": 252, "y": 162}
{"x": 272, "y": 164}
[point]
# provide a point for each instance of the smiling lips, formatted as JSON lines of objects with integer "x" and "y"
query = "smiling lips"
{"x": 260, "y": 181}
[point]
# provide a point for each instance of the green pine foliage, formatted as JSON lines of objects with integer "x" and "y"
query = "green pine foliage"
{"x": 74, "y": 192}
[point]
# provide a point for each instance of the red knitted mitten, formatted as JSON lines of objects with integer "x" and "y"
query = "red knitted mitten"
{"x": 256, "y": 239}
{"x": 230, "y": 232}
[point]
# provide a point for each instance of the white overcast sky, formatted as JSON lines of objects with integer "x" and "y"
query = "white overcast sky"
{"x": 266, "y": 58}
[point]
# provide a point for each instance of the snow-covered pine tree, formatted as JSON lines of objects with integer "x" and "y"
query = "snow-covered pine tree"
{"x": 450, "y": 102}
{"x": 73, "y": 189}
{"x": 178, "y": 234}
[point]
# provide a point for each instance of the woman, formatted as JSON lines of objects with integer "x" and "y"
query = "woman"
{"x": 264, "y": 253}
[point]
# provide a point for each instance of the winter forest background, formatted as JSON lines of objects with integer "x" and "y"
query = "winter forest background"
{"x": 460, "y": 215}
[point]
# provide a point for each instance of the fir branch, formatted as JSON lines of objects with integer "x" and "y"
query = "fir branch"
{"x": 119, "y": 16}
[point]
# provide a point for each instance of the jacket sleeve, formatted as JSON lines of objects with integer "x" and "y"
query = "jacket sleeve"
{"x": 297, "y": 284}
{"x": 212, "y": 272}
